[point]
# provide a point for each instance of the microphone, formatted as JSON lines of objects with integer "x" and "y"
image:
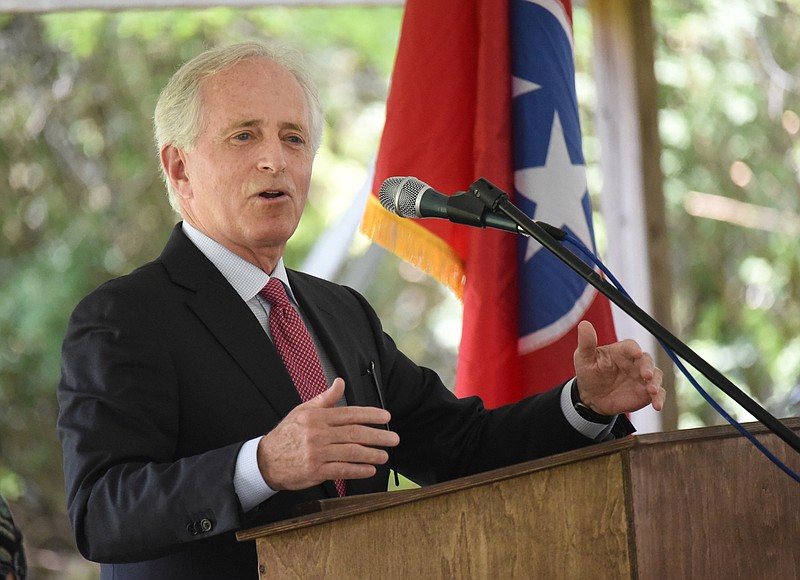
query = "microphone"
{"x": 409, "y": 197}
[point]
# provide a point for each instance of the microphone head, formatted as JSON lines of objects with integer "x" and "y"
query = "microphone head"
{"x": 389, "y": 190}
{"x": 400, "y": 194}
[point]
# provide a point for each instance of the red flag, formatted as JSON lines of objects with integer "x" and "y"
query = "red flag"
{"x": 452, "y": 118}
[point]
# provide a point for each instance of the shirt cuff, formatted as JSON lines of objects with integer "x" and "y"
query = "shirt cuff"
{"x": 596, "y": 431}
{"x": 250, "y": 487}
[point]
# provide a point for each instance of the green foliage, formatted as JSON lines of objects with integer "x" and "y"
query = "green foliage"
{"x": 728, "y": 76}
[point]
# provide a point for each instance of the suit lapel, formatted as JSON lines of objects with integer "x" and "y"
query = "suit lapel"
{"x": 320, "y": 308}
{"x": 230, "y": 320}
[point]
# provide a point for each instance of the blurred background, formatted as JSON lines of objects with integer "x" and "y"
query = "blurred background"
{"x": 81, "y": 200}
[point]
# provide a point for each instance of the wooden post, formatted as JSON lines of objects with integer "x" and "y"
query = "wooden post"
{"x": 630, "y": 150}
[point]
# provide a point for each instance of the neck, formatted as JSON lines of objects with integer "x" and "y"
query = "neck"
{"x": 265, "y": 257}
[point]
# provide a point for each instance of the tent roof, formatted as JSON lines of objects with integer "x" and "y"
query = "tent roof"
{"x": 63, "y": 5}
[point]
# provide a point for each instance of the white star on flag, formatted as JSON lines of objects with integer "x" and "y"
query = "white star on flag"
{"x": 557, "y": 188}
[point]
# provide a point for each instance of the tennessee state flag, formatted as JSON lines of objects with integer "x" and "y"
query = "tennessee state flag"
{"x": 486, "y": 88}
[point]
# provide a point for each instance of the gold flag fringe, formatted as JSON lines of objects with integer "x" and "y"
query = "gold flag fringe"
{"x": 414, "y": 244}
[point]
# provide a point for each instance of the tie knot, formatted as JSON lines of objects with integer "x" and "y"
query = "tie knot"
{"x": 275, "y": 294}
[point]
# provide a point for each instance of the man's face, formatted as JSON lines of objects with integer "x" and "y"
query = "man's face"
{"x": 246, "y": 181}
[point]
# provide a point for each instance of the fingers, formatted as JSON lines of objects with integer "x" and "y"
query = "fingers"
{"x": 330, "y": 397}
{"x": 317, "y": 441}
{"x": 651, "y": 377}
{"x": 657, "y": 393}
{"x": 360, "y": 435}
{"x": 647, "y": 365}
{"x": 587, "y": 339}
{"x": 657, "y": 397}
{"x": 298, "y": 455}
{"x": 345, "y": 415}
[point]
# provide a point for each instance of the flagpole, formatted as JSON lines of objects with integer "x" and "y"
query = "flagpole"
{"x": 497, "y": 200}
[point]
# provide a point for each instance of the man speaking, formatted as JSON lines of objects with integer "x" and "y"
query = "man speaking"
{"x": 214, "y": 389}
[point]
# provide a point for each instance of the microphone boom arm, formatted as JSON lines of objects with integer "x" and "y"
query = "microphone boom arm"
{"x": 497, "y": 200}
{"x": 466, "y": 209}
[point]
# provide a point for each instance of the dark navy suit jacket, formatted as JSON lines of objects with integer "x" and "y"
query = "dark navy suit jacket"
{"x": 166, "y": 372}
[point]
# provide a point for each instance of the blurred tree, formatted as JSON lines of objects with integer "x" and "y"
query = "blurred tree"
{"x": 729, "y": 126}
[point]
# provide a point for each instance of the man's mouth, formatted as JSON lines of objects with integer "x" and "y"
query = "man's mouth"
{"x": 271, "y": 194}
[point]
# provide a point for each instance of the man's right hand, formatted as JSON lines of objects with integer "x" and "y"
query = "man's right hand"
{"x": 319, "y": 441}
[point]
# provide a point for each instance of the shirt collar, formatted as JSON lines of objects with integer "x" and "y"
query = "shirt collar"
{"x": 247, "y": 279}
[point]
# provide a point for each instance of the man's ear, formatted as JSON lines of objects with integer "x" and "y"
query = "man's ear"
{"x": 174, "y": 163}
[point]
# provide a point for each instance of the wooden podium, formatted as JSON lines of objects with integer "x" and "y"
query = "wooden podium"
{"x": 693, "y": 504}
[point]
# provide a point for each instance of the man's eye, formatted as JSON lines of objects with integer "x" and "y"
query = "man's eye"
{"x": 242, "y": 137}
{"x": 295, "y": 139}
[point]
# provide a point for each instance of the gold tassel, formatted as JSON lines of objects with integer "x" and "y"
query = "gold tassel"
{"x": 414, "y": 244}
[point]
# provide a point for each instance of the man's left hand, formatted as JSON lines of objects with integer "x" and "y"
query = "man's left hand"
{"x": 617, "y": 378}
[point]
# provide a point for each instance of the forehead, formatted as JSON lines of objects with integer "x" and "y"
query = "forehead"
{"x": 255, "y": 88}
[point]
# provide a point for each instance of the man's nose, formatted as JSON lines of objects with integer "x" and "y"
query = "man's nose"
{"x": 271, "y": 156}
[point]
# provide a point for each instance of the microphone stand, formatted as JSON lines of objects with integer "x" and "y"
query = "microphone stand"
{"x": 497, "y": 200}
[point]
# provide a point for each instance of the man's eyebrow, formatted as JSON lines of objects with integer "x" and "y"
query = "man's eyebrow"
{"x": 255, "y": 123}
{"x": 245, "y": 124}
{"x": 294, "y": 126}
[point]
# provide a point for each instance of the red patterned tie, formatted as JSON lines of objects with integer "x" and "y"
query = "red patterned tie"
{"x": 296, "y": 347}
